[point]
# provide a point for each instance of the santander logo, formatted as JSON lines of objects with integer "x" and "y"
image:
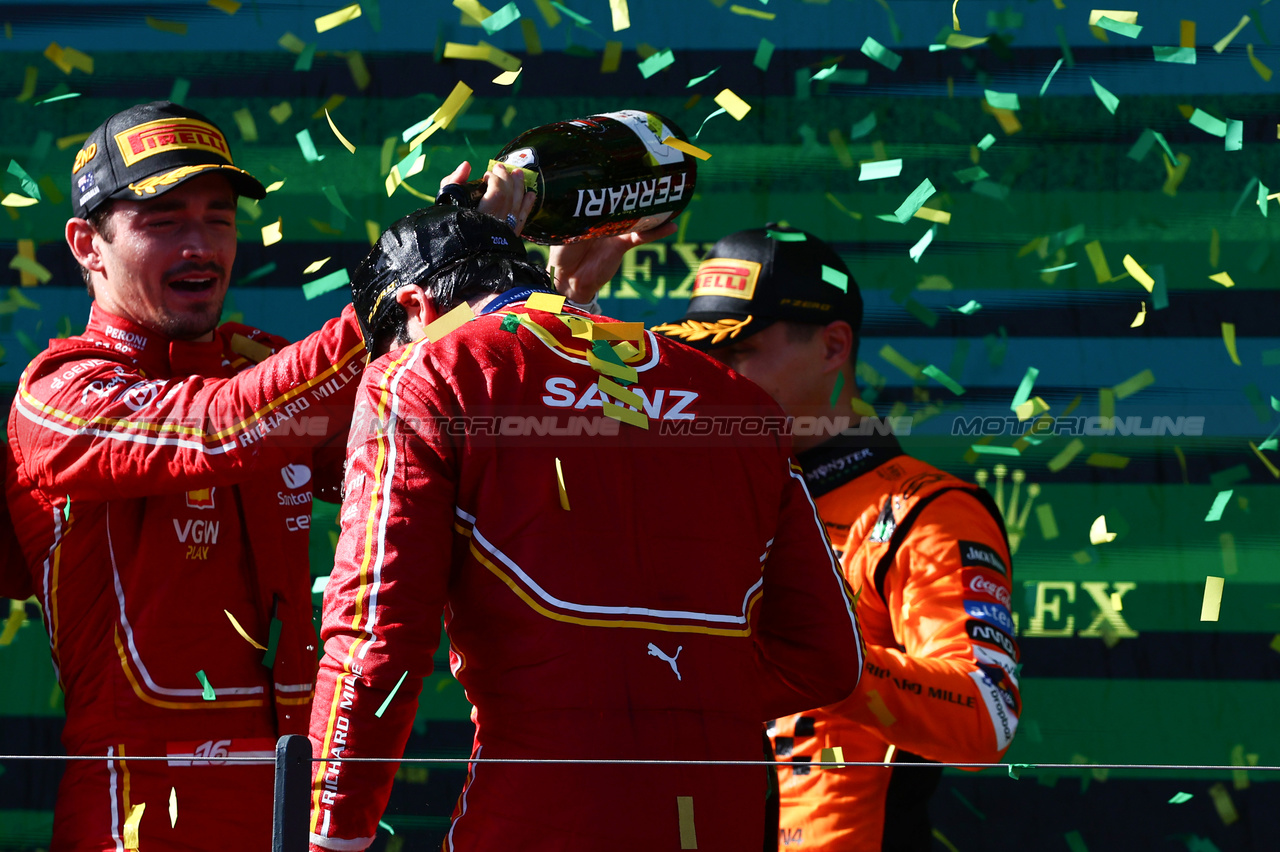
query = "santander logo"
{"x": 987, "y": 586}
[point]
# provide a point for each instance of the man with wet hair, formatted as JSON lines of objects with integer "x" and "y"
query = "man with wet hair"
{"x": 614, "y": 586}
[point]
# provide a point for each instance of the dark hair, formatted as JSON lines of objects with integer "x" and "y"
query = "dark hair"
{"x": 100, "y": 219}
{"x": 470, "y": 277}
{"x": 802, "y": 332}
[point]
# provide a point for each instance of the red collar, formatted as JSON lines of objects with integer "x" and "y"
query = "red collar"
{"x": 154, "y": 352}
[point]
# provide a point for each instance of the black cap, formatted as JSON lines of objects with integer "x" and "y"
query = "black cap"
{"x": 149, "y": 149}
{"x": 752, "y": 279}
{"x": 422, "y": 245}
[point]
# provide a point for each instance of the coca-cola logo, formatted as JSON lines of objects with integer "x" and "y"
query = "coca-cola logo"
{"x": 984, "y": 585}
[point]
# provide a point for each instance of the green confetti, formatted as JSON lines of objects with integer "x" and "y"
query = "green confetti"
{"x": 328, "y": 283}
{"x": 1263, "y": 192}
{"x": 1179, "y": 798}
{"x": 968, "y": 804}
{"x": 308, "y": 147}
{"x": 1207, "y": 123}
{"x": 1119, "y": 27}
{"x": 986, "y": 142}
{"x": 720, "y": 111}
{"x": 914, "y": 202}
{"x": 877, "y": 51}
{"x": 696, "y": 80}
{"x": 382, "y": 823}
{"x": 917, "y": 250}
{"x": 764, "y": 53}
{"x": 1181, "y": 55}
{"x": 656, "y": 63}
{"x": 835, "y": 392}
{"x": 505, "y": 16}
{"x": 1270, "y": 444}
{"x": 1219, "y": 505}
{"x": 921, "y": 312}
{"x": 28, "y": 183}
{"x": 1066, "y": 47}
{"x": 207, "y": 691}
{"x": 577, "y": 19}
{"x": 969, "y": 308}
{"x": 511, "y": 323}
{"x": 835, "y": 278}
{"x": 260, "y": 272}
{"x": 50, "y": 100}
{"x": 880, "y": 169}
{"x": 1049, "y": 79}
{"x": 1234, "y": 140}
{"x": 824, "y": 73}
{"x": 1074, "y": 841}
{"x": 1064, "y": 266}
{"x": 305, "y": 58}
{"x": 181, "y": 87}
{"x": 1024, "y": 388}
{"x": 273, "y": 641}
{"x": 396, "y": 688}
{"x": 1253, "y": 181}
{"x": 785, "y": 236}
{"x": 1109, "y": 100}
{"x": 331, "y": 193}
{"x": 971, "y": 174}
{"x": 1002, "y": 100}
{"x": 943, "y": 379}
{"x": 66, "y": 509}
{"x": 863, "y": 127}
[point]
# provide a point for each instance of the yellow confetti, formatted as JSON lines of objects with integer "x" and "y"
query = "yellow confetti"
{"x": 691, "y": 150}
{"x": 753, "y": 13}
{"x": 506, "y": 78}
{"x": 315, "y": 265}
{"x": 449, "y": 323}
{"x": 1222, "y": 43}
{"x": 626, "y": 415}
{"x": 688, "y": 834}
{"x": 1098, "y": 259}
{"x": 835, "y": 754}
{"x": 611, "y": 59}
{"x": 324, "y": 23}
{"x": 271, "y": 234}
{"x": 1048, "y": 523}
{"x": 359, "y": 70}
{"x": 175, "y": 27}
{"x": 292, "y": 43}
{"x": 472, "y": 9}
{"x": 964, "y": 42}
{"x": 1229, "y": 339}
{"x": 248, "y": 127}
{"x": 1108, "y": 460}
{"x": 877, "y": 706}
{"x": 1121, "y": 17}
{"x": 734, "y": 105}
{"x": 549, "y": 13}
{"x": 173, "y": 807}
{"x": 1065, "y": 457}
{"x": 274, "y": 185}
{"x": 280, "y": 112}
{"x": 617, "y": 330}
{"x": 228, "y": 6}
{"x": 1275, "y": 472}
{"x": 244, "y": 633}
{"x": 942, "y": 217}
{"x": 338, "y": 133}
{"x": 13, "y": 199}
{"x": 1212, "y": 603}
{"x": 17, "y": 618}
{"x": 564, "y": 495}
{"x": 1223, "y": 278}
{"x": 1140, "y": 318}
{"x": 29, "y": 266}
{"x": 955, "y": 19}
{"x": 482, "y": 52}
{"x": 1106, "y": 404}
{"x": 1133, "y": 384}
{"x": 621, "y": 14}
{"x": 130, "y": 833}
{"x": 1098, "y": 531}
{"x": 29, "y": 85}
{"x": 330, "y": 104}
{"x": 1263, "y": 71}
{"x": 1139, "y": 274}
{"x": 1031, "y": 408}
{"x": 452, "y": 105}
{"x": 548, "y": 302}
{"x": 1187, "y": 34}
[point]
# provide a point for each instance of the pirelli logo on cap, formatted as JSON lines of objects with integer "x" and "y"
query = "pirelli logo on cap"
{"x": 170, "y": 134}
{"x": 727, "y": 277}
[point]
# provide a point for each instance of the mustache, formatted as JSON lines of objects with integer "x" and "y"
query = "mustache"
{"x": 212, "y": 268}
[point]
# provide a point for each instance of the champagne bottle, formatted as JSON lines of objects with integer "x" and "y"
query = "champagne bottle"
{"x": 597, "y": 176}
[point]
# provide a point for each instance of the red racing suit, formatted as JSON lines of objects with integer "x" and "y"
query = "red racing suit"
{"x": 678, "y": 593}
{"x": 928, "y": 554}
{"x": 159, "y": 487}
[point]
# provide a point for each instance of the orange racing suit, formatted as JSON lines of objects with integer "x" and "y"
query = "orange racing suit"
{"x": 929, "y": 557}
